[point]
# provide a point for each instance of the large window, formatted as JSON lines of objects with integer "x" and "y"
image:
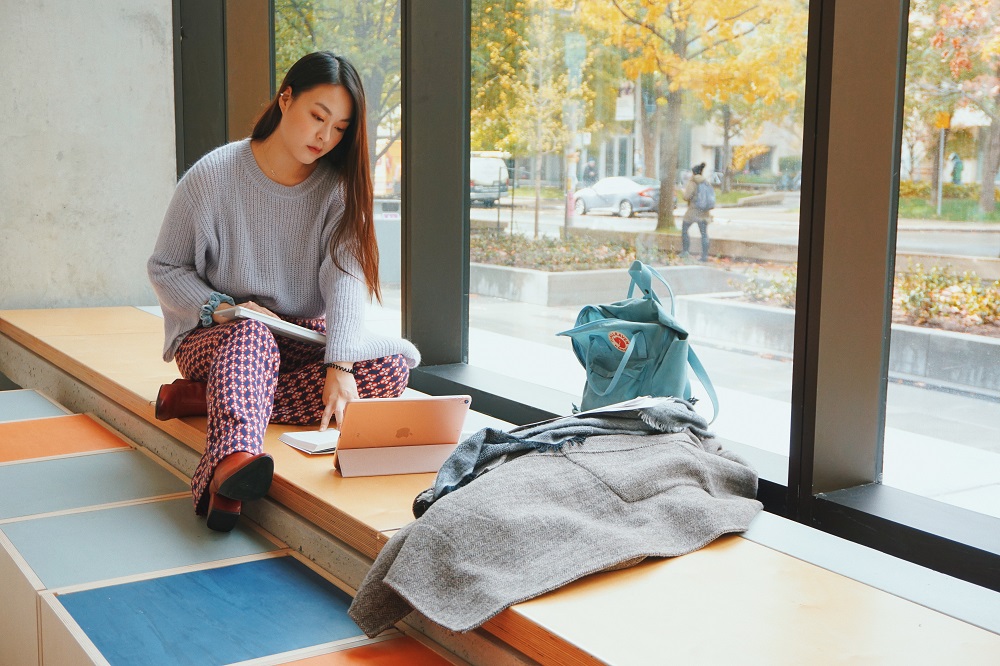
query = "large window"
{"x": 591, "y": 116}
{"x": 942, "y": 431}
{"x": 367, "y": 33}
{"x": 535, "y": 89}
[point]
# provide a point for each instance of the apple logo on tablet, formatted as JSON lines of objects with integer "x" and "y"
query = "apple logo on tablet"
{"x": 402, "y": 432}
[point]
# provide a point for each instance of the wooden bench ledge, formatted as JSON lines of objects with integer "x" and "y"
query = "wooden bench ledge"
{"x": 753, "y": 597}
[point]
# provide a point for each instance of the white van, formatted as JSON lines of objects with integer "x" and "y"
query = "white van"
{"x": 488, "y": 180}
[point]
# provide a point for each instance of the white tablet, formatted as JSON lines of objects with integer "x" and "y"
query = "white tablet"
{"x": 277, "y": 326}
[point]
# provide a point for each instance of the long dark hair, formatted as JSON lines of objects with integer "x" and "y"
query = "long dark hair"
{"x": 349, "y": 157}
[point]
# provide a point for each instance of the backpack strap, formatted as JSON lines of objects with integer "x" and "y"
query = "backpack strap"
{"x": 637, "y": 338}
{"x": 642, "y": 277}
{"x": 702, "y": 375}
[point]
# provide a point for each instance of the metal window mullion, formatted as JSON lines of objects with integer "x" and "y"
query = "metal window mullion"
{"x": 435, "y": 177}
{"x": 842, "y": 342}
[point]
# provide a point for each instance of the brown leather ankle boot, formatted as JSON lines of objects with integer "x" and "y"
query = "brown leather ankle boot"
{"x": 239, "y": 477}
{"x": 183, "y": 397}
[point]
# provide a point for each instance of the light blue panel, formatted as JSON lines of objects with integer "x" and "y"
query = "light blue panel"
{"x": 217, "y": 616}
{"x": 20, "y": 405}
{"x": 56, "y": 484}
{"x": 107, "y": 543}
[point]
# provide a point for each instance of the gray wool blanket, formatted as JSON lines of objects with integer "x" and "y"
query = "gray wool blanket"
{"x": 548, "y": 517}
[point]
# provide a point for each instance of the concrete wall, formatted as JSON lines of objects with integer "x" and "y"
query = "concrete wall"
{"x": 87, "y": 164}
{"x": 554, "y": 289}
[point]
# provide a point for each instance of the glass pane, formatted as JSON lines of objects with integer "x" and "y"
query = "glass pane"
{"x": 942, "y": 435}
{"x": 366, "y": 32}
{"x": 601, "y": 111}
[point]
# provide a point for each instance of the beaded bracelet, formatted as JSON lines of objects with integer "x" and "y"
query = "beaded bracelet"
{"x": 208, "y": 309}
{"x": 349, "y": 371}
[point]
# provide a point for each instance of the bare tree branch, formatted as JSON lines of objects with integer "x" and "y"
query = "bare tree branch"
{"x": 635, "y": 21}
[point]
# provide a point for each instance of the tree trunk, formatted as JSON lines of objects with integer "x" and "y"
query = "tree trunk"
{"x": 669, "y": 145}
{"x": 670, "y": 141}
{"x": 649, "y": 129}
{"x": 991, "y": 159}
{"x": 991, "y": 164}
{"x": 727, "y": 149}
{"x": 538, "y": 187}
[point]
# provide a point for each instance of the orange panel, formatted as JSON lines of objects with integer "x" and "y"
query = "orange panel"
{"x": 396, "y": 652}
{"x": 56, "y": 436}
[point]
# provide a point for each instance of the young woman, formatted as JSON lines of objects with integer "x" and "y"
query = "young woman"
{"x": 281, "y": 223}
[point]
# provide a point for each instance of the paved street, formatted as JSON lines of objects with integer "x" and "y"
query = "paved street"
{"x": 770, "y": 224}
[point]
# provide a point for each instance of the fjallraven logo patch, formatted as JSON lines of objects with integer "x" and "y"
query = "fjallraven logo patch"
{"x": 619, "y": 340}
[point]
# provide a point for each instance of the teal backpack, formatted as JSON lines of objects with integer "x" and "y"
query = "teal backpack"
{"x": 635, "y": 347}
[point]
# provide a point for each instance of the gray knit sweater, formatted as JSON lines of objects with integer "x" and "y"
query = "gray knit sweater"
{"x": 229, "y": 228}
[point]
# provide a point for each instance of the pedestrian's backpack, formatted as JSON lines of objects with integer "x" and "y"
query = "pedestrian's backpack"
{"x": 635, "y": 348}
{"x": 704, "y": 196}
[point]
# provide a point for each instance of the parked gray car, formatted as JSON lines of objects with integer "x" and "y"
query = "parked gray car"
{"x": 622, "y": 195}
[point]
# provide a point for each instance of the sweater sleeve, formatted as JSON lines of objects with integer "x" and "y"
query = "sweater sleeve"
{"x": 346, "y": 295}
{"x": 172, "y": 270}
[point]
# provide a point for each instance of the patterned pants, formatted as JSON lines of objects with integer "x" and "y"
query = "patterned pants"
{"x": 254, "y": 378}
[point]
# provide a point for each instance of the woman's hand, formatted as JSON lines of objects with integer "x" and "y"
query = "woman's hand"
{"x": 339, "y": 389}
{"x": 249, "y": 305}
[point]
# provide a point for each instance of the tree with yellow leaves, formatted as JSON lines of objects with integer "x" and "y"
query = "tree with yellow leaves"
{"x": 718, "y": 51}
{"x": 523, "y": 91}
{"x": 366, "y": 32}
{"x": 967, "y": 39}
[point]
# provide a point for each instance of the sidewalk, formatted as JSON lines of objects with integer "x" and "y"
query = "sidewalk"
{"x": 786, "y": 213}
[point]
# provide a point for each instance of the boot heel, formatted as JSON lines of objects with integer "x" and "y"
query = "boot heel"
{"x": 182, "y": 397}
{"x": 223, "y": 513}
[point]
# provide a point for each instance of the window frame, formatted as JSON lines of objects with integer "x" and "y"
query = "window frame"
{"x": 855, "y": 71}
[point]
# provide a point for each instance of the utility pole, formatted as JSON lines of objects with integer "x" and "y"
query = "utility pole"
{"x": 942, "y": 121}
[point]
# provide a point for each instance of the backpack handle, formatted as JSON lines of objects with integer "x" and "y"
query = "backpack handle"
{"x": 642, "y": 277}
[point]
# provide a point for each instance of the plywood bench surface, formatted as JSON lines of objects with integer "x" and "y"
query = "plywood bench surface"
{"x": 735, "y": 600}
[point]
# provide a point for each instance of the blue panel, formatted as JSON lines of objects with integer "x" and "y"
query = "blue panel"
{"x": 217, "y": 616}
{"x": 18, "y": 405}
{"x": 108, "y": 543}
{"x": 30, "y": 488}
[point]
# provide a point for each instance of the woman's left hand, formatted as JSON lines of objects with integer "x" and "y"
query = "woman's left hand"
{"x": 339, "y": 389}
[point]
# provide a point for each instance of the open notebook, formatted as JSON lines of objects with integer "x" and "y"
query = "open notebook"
{"x": 390, "y": 435}
{"x": 277, "y": 326}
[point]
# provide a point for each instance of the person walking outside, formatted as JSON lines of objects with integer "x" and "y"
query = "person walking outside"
{"x": 957, "y": 166}
{"x": 700, "y": 196}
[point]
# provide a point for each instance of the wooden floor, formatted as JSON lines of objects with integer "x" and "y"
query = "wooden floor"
{"x": 735, "y": 601}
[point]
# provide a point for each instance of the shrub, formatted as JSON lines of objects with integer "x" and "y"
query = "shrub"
{"x": 914, "y": 189}
{"x": 755, "y": 179}
{"x": 556, "y": 254}
{"x": 963, "y": 191}
{"x": 936, "y": 296}
{"x": 940, "y": 293}
{"x": 763, "y": 286}
{"x": 921, "y": 189}
{"x": 790, "y": 164}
